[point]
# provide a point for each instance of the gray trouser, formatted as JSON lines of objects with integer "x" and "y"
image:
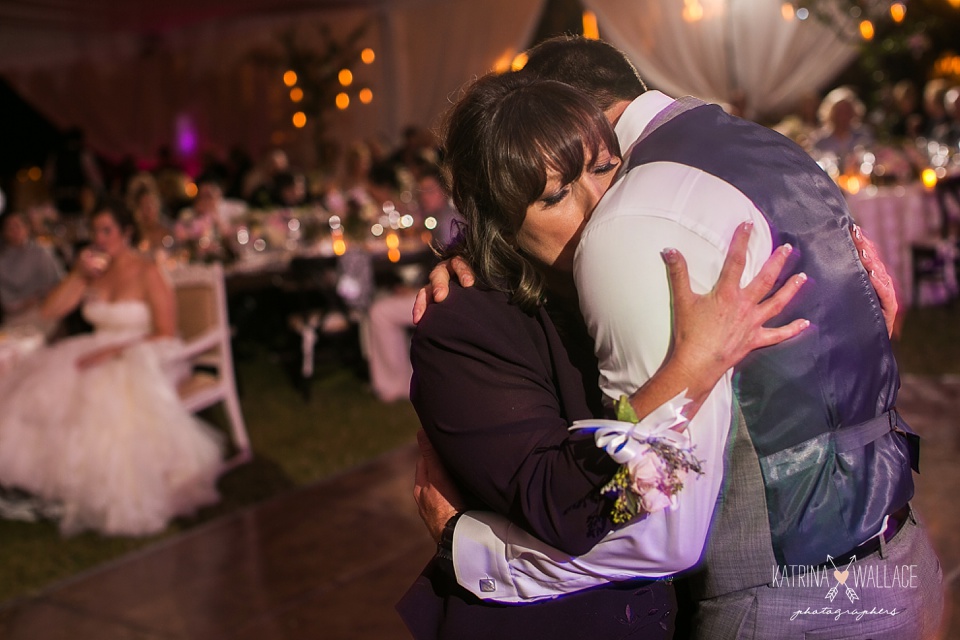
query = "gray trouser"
{"x": 895, "y": 593}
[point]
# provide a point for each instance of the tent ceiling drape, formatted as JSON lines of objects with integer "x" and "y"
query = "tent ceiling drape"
{"x": 138, "y": 75}
{"x": 135, "y": 79}
{"x": 733, "y": 51}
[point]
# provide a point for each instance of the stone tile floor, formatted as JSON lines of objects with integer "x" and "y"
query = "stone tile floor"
{"x": 330, "y": 560}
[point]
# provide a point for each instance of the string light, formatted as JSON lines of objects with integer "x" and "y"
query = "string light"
{"x": 290, "y": 78}
{"x": 866, "y": 29}
{"x": 898, "y": 11}
{"x": 692, "y": 10}
{"x": 296, "y": 94}
{"x": 366, "y": 96}
{"x": 299, "y": 119}
{"x": 519, "y": 62}
{"x": 345, "y": 77}
{"x": 590, "y": 29}
{"x": 343, "y": 101}
{"x": 368, "y": 56}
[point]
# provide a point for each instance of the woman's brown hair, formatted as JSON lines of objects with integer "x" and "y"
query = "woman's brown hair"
{"x": 501, "y": 138}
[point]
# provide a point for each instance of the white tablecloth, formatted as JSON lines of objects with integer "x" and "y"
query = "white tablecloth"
{"x": 894, "y": 218}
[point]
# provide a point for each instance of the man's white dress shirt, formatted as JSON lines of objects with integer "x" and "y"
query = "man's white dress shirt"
{"x": 625, "y": 300}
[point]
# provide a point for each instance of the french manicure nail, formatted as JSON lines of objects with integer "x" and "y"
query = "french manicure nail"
{"x": 748, "y": 225}
{"x": 856, "y": 232}
{"x": 801, "y": 278}
{"x": 786, "y": 249}
{"x": 669, "y": 254}
{"x": 863, "y": 252}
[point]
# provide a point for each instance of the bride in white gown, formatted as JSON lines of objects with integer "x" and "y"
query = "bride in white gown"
{"x": 93, "y": 423}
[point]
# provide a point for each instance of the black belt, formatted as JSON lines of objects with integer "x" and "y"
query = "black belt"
{"x": 895, "y": 522}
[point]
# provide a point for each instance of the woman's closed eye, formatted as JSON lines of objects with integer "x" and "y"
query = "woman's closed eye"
{"x": 556, "y": 197}
{"x": 606, "y": 167}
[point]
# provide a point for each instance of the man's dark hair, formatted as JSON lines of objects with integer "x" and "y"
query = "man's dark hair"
{"x": 594, "y": 67}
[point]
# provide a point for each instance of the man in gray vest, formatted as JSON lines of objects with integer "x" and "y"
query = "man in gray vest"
{"x": 812, "y": 529}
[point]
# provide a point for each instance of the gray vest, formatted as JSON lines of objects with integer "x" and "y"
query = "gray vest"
{"x": 834, "y": 455}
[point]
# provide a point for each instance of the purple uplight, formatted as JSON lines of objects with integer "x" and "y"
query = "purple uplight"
{"x": 186, "y": 135}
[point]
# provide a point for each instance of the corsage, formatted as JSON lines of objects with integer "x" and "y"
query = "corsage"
{"x": 655, "y": 456}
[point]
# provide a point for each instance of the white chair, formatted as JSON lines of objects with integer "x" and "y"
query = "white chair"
{"x": 204, "y": 327}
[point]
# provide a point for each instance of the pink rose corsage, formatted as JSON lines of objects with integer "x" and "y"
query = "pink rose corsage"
{"x": 655, "y": 456}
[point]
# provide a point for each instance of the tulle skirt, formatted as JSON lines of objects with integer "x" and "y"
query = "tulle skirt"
{"x": 111, "y": 444}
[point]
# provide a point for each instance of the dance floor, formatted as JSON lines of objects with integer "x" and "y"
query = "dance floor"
{"x": 330, "y": 560}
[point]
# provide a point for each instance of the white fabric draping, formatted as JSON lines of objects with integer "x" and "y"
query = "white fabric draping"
{"x": 132, "y": 93}
{"x": 444, "y": 45}
{"x": 735, "y": 50}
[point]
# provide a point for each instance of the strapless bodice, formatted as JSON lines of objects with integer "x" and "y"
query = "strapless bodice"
{"x": 123, "y": 316}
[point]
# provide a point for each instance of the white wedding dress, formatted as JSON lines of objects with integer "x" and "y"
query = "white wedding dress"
{"x": 111, "y": 445}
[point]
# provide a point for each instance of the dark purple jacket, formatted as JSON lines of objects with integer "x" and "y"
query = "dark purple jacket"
{"x": 496, "y": 389}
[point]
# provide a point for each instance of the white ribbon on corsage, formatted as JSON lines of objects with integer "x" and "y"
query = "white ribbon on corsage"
{"x": 655, "y": 454}
{"x": 624, "y": 441}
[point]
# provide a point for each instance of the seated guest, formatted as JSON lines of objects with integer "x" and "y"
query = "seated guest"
{"x": 152, "y": 226}
{"x": 291, "y": 189}
{"x": 390, "y": 320}
{"x": 93, "y": 424}
{"x": 842, "y": 131}
{"x": 28, "y": 272}
{"x": 209, "y": 221}
{"x": 948, "y": 131}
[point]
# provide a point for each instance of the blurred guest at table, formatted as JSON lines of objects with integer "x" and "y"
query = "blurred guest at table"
{"x": 802, "y": 122}
{"x": 259, "y": 188}
{"x": 933, "y": 94}
{"x": 28, "y": 272}
{"x": 390, "y": 320}
{"x": 418, "y": 150}
{"x": 153, "y": 228}
{"x": 93, "y": 424}
{"x": 291, "y": 189}
{"x": 948, "y": 131}
{"x": 171, "y": 180}
{"x": 435, "y": 203}
{"x": 842, "y": 132}
{"x": 207, "y": 224}
{"x": 905, "y": 118}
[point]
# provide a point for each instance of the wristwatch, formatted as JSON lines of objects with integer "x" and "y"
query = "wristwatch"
{"x": 445, "y": 545}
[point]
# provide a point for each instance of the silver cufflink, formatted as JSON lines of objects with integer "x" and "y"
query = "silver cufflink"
{"x": 488, "y": 585}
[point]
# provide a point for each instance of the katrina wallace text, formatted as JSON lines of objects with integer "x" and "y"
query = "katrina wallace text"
{"x": 864, "y": 576}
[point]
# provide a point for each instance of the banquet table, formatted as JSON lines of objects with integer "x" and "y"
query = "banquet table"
{"x": 895, "y": 217}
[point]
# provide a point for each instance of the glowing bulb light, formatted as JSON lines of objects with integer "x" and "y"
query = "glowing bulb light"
{"x": 290, "y": 78}
{"x": 299, "y": 119}
{"x": 929, "y": 178}
{"x": 368, "y": 56}
{"x": 366, "y": 96}
{"x": 898, "y": 11}
{"x": 345, "y": 77}
{"x": 296, "y": 94}
{"x": 343, "y": 101}
{"x": 866, "y": 30}
{"x": 692, "y": 10}
{"x": 590, "y": 29}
